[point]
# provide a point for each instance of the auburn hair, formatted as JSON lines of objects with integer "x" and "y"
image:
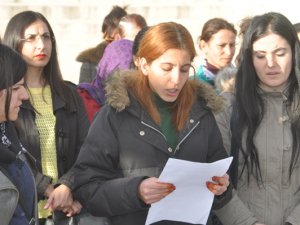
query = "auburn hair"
{"x": 156, "y": 41}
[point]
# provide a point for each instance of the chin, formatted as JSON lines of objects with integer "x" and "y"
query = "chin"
{"x": 169, "y": 99}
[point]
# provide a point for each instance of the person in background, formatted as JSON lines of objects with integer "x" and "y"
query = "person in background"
{"x": 261, "y": 129}
{"x": 117, "y": 56}
{"x": 130, "y": 25}
{"x": 244, "y": 24}
{"x": 17, "y": 187}
{"x": 225, "y": 83}
{"x": 297, "y": 28}
{"x": 217, "y": 43}
{"x": 53, "y": 123}
{"x": 152, "y": 113}
{"x": 91, "y": 57}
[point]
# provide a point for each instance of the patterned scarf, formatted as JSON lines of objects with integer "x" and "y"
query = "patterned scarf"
{"x": 117, "y": 55}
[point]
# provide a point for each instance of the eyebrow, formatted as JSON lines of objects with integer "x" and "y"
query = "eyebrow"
{"x": 169, "y": 63}
{"x": 276, "y": 50}
{"x": 37, "y": 33}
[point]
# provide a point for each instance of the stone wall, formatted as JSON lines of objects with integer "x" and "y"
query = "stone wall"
{"x": 77, "y": 23}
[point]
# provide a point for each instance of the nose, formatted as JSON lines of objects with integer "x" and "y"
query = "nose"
{"x": 23, "y": 94}
{"x": 229, "y": 50}
{"x": 40, "y": 42}
{"x": 270, "y": 61}
{"x": 175, "y": 76}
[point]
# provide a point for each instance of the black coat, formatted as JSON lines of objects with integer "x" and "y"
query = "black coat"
{"x": 70, "y": 131}
{"x": 124, "y": 146}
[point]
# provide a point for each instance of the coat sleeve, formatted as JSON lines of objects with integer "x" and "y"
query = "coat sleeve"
{"x": 294, "y": 217}
{"x": 235, "y": 212}
{"x": 99, "y": 183}
{"x": 82, "y": 127}
{"x": 217, "y": 152}
{"x": 9, "y": 199}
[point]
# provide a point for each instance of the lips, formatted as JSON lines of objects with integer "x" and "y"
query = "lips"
{"x": 40, "y": 56}
{"x": 172, "y": 92}
{"x": 272, "y": 73}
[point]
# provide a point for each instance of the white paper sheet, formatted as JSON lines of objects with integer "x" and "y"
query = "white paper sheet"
{"x": 191, "y": 201}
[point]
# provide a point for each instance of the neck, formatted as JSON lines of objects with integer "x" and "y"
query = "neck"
{"x": 34, "y": 77}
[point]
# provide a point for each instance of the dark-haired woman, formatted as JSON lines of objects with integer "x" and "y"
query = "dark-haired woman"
{"x": 17, "y": 187}
{"x": 262, "y": 127}
{"x": 53, "y": 123}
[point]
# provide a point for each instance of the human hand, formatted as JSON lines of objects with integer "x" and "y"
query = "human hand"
{"x": 220, "y": 184}
{"x": 151, "y": 190}
{"x": 49, "y": 190}
{"x": 60, "y": 198}
{"x": 74, "y": 209}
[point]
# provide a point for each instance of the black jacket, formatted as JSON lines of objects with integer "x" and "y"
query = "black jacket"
{"x": 124, "y": 146}
{"x": 70, "y": 131}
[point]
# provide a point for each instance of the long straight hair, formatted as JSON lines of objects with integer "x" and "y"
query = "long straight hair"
{"x": 12, "y": 70}
{"x": 157, "y": 40}
{"x": 52, "y": 74}
{"x": 249, "y": 103}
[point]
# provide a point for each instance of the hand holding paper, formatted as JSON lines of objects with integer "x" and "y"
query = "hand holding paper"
{"x": 151, "y": 190}
{"x": 191, "y": 201}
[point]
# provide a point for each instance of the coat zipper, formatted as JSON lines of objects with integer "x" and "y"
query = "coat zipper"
{"x": 177, "y": 146}
{"x": 153, "y": 128}
{"x": 185, "y": 137}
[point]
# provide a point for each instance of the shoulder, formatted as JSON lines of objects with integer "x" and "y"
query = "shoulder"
{"x": 117, "y": 89}
{"x": 92, "y": 55}
{"x": 75, "y": 99}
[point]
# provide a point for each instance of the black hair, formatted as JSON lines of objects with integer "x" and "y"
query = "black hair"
{"x": 12, "y": 70}
{"x": 138, "y": 38}
{"x": 13, "y": 36}
{"x": 249, "y": 102}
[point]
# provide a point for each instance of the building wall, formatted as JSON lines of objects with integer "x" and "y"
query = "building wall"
{"x": 77, "y": 23}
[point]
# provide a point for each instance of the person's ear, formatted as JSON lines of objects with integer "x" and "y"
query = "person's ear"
{"x": 203, "y": 46}
{"x": 144, "y": 66}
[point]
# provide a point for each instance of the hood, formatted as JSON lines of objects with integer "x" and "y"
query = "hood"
{"x": 117, "y": 92}
{"x": 92, "y": 55}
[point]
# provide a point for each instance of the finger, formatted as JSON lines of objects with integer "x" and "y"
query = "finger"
{"x": 69, "y": 213}
{"x": 221, "y": 180}
{"x": 76, "y": 209}
{"x": 215, "y": 188}
{"x": 149, "y": 199}
{"x": 157, "y": 190}
{"x": 161, "y": 186}
{"x": 49, "y": 203}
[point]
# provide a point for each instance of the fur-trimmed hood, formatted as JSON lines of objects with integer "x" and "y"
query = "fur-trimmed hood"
{"x": 92, "y": 55}
{"x": 117, "y": 92}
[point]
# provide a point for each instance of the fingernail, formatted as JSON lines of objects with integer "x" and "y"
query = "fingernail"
{"x": 214, "y": 178}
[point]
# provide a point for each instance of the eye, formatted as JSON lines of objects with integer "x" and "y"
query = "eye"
{"x": 222, "y": 45}
{"x": 232, "y": 45}
{"x": 167, "y": 67}
{"x": 259, "y": 55}
{"x": 280, "y": 53}
{"x": 30, "y": 38}
{"x": 46, "y": 36}
{"x": 17, "y": 87}
{"x": 185, "y": 69}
